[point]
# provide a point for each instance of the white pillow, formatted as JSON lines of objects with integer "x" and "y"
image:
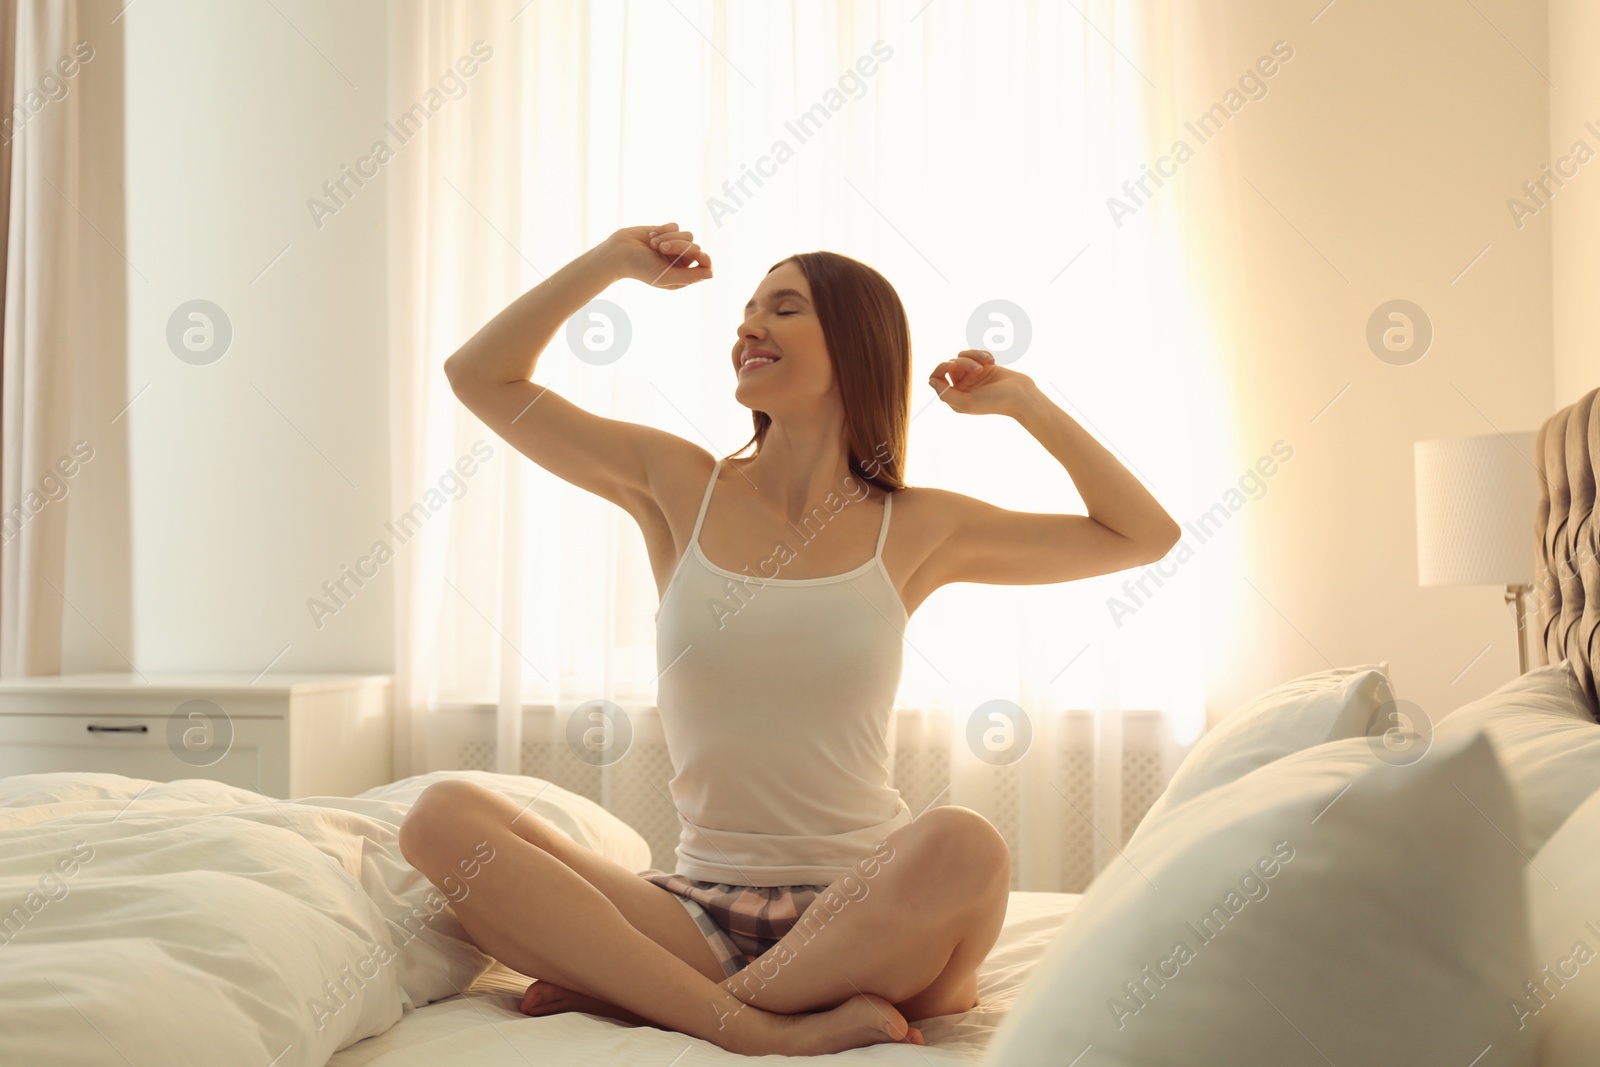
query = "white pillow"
{"x": 1547, "y": 742}
{"x": 1323, "y": 706}
{"x": 1328, "y": 907}
{"x": 1563, "y": 1011}
{"x": 573, "y": 814}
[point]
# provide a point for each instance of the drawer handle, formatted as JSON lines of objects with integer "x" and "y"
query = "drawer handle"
{"x": 140, "y": 729}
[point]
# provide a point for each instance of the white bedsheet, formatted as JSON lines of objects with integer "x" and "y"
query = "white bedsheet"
{"x": 484, "y": 1027}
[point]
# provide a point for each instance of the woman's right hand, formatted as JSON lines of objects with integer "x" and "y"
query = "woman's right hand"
{"x": 663, "y": 256}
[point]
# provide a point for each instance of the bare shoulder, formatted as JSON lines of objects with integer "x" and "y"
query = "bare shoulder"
{"x": 926, "y": 515}
{"x": 927, "y": 524}
{"x": 679, "y": 473}
{"x": 923, "y": 520}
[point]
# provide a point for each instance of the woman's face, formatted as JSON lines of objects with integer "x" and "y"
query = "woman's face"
{"x": 781, "y": 322}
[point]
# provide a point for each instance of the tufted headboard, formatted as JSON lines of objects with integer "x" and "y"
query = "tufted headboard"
{"x": 1566, "y": 584}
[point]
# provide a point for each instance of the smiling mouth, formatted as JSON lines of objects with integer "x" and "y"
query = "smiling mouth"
{"x": 756, "y": 361}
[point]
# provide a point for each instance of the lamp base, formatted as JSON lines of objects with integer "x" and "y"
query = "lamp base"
{"x": 1514, "y": 596}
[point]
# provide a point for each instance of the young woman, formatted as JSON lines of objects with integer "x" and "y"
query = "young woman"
{"x": 809, "y": 912}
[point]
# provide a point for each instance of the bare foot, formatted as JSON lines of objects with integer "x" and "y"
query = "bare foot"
{"x": 864, "y": 1019}
{"x": 546, "y": 998}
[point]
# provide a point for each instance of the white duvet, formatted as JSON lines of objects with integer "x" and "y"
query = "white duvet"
{"x": 192, "y": 922}
{"x": 198, "y": 923}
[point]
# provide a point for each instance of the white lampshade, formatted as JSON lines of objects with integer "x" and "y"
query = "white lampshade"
{"x": 1476, "y": 498}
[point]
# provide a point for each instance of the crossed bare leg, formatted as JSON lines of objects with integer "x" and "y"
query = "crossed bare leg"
{"x": 534, "y": 912}
{"x": 914, "y": 922}
{"x": 863, "y": 1013}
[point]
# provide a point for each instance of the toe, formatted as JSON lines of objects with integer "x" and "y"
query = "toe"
{"x": 539, "y": 994}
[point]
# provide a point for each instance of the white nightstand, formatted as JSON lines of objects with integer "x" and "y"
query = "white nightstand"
{"x": 284, "y": 735}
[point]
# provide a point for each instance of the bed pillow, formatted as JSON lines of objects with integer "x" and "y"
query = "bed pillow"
{"x": 1323, "y": 706}
{"x": 573, "y": 814}
{"x": 1327, "y": 907}
{"x": 1562, "y": 1010}
{"x": 1547, "y": 741}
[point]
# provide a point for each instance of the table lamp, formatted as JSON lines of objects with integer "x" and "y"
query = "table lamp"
{"x": 1476, "y": 499}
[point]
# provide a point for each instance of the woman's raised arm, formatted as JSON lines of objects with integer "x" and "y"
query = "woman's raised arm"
{"x": 491, "y": 373}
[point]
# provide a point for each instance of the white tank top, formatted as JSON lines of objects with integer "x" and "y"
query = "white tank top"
{"x": 775, "y": 696}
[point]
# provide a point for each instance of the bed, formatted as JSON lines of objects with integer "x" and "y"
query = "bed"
{"x": 193, "y": 922}
{"x": 197, "y": 922}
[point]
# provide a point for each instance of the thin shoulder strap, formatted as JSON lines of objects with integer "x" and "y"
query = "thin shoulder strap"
{"x": 705, "y": 501}
{"x": 883, "y": 531}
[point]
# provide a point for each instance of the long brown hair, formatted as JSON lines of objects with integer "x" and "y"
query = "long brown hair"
{"x": 869, "y": 344}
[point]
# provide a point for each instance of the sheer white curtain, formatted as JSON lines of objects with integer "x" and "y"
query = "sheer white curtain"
{"x": 966, "y": 151}
{"x": 65, "y": 353}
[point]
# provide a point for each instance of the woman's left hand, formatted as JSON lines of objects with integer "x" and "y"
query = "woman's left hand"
{"x": 973, "y": 384}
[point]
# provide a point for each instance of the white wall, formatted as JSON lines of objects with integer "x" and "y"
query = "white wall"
{"x": 1383, "y": 158}
{"x": 1574, "y": 212}
{"x": 255, "y": 478}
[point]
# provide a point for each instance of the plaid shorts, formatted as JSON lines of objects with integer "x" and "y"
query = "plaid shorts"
{"x": 740, "y": 922}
